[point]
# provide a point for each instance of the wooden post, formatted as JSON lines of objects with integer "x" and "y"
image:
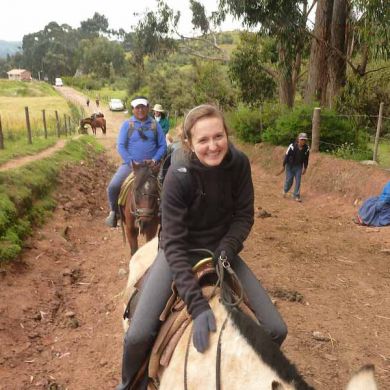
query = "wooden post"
{"x": 378, "y": 132}
{"x": 65, "y": 126}
{"x": 315, "y": 130}
{"x": 1, "y": 135}
{"x": 58, "y": 124}
{"x": 44, "y": 122}
{"x": 29, "y": 136}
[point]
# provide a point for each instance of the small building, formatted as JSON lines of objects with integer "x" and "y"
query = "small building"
{"x": 19, "y": 74}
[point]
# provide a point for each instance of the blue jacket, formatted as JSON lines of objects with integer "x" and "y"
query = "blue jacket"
{"x": 137, "y": 149}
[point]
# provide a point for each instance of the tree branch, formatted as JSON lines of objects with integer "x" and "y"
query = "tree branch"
{"x": 376, "y": 70}
{"x": 311, "y": 8}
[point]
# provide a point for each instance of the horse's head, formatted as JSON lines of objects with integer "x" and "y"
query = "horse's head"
{"x": 146, "y": 193}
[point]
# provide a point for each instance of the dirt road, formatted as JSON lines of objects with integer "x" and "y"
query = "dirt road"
{"x": 60, "y": 309}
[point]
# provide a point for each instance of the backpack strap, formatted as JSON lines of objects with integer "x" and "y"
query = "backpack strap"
{"x": 153, "y": 127}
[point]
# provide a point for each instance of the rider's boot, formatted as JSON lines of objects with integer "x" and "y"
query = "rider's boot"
{"x": 112, "y": 219}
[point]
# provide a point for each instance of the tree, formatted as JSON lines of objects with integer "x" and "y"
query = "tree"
{"x": 51, "y": 51}
{"x": 246, "y": 67}
{"x": 93, "y": 27}
{"x": 345, "y": 33}
{"x": 285, "y": 21}
{"x": 101, "y": 57}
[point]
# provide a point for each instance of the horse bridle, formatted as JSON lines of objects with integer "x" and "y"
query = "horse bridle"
{"x": 139, "y": 212}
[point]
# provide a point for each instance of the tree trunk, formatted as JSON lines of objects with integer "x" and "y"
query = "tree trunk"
{"x": 336, "y": 64}
{"x": 285, "y": 79}
{"x": 318, "y": 68}
{"x": 286, "y": 90}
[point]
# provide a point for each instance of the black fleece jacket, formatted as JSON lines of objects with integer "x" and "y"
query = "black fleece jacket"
{"x": 205, "y": 207}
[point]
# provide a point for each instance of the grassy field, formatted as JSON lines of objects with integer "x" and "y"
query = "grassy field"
{"x": 37, "y": 96}
{"x": 13, "y": 88}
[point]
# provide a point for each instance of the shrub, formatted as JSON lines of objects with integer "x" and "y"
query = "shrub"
{"x": 335, "y": 130}
{"x": 249, "y": 124}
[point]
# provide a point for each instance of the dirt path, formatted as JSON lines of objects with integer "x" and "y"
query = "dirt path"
{"x": 60, "y": 308}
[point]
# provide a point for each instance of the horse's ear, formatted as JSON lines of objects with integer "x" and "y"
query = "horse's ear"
{"x": 277, "y": 386}
{"x": 135, "y": 166}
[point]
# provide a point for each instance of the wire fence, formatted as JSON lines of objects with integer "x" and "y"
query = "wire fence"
{"x": 43, "y": 124}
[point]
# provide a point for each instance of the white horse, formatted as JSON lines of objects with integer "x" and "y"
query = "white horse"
{"x": 248, "y": 358}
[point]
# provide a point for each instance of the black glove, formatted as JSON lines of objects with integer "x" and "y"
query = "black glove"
{"x": 226, "y": 252}
{"x": 204, "y": 323}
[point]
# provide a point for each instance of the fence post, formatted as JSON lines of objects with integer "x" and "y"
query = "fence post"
{"x": 1, "y": 135}
{"x": 58, "y": 124}
{"x": 378, "y": 132}
{"x": 65, "y": 126}
{"x": 44, "y": 122}
{"x": 29, "y": 137}
{"x": 315, "y": 130}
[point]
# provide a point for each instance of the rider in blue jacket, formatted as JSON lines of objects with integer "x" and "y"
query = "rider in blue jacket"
{"x": 140, "y": 138}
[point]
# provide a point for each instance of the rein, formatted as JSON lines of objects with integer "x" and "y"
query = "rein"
{"x": 227, "y": 299}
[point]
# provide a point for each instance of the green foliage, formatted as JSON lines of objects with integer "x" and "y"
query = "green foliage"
{"x": 102, "y": 58}
{"x": 349, "y": 151}
{"x": 25, "y": 194}
{"x": 335, "y": 130}
{"x": 249, "y": 124}
{"x": 91, "y": 28}
{"x": 246, "y": 68}
{"x": 84, "y": 82}
{"x": 246, "y": 124}
{"x": 51, "y": 51}
{"x": 361, "y": 97}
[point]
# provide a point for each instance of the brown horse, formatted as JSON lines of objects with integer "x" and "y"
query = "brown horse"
{"x": 94, "y": 123}
{"x": 140, "y": 214}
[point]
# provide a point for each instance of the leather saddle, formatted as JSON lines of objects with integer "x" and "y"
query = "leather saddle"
{"x": 175, "y": 319}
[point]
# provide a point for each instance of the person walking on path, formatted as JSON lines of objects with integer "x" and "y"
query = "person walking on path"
{"x": 87, "y": 102}
{"x": 140, "y": 138}
{"x": 295, "y": 163}
{"x": 208, "y": 202}
{"x": 97, "y": 101}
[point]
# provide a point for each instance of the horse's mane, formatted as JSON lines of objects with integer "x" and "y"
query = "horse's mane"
{"x": 268, "y": 350}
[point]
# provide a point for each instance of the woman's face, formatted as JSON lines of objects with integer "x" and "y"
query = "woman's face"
{"x": 209, "y": 141}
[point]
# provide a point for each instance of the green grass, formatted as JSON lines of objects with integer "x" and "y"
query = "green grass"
{"x": 13, "y": 88}
{"x": 383, "y": 153}
{"x": 26, "y": 194}
{"x": 21, "y": 147}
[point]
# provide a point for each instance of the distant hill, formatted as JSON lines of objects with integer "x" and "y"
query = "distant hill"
{"x": 7, "y": 47}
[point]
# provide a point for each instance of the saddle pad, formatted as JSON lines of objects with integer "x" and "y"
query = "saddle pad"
{"x": 125, "y": 188}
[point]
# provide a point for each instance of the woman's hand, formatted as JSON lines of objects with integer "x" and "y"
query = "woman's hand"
{"x": 204, "y": 323}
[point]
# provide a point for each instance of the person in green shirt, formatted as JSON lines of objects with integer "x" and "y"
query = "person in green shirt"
{"x": 161, "y": 118}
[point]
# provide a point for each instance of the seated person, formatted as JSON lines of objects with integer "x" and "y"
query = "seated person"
{"x": 375, "y": 211}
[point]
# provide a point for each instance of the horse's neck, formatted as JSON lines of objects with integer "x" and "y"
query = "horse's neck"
{"x": 241, "y": 367}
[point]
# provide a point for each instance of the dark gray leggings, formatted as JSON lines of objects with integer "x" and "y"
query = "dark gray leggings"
{"x": 155, "y": 293}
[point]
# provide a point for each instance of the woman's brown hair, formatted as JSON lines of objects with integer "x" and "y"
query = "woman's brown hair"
{"x": 193, "y": 116}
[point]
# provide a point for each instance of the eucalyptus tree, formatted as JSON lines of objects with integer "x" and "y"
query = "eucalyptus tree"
{"x": 345, "y": 34}
{"x": 285, "y": 20}
{"x": 51, "y": 51}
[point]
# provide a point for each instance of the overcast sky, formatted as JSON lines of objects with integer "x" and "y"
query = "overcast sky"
{"x": 28, "y": 16}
